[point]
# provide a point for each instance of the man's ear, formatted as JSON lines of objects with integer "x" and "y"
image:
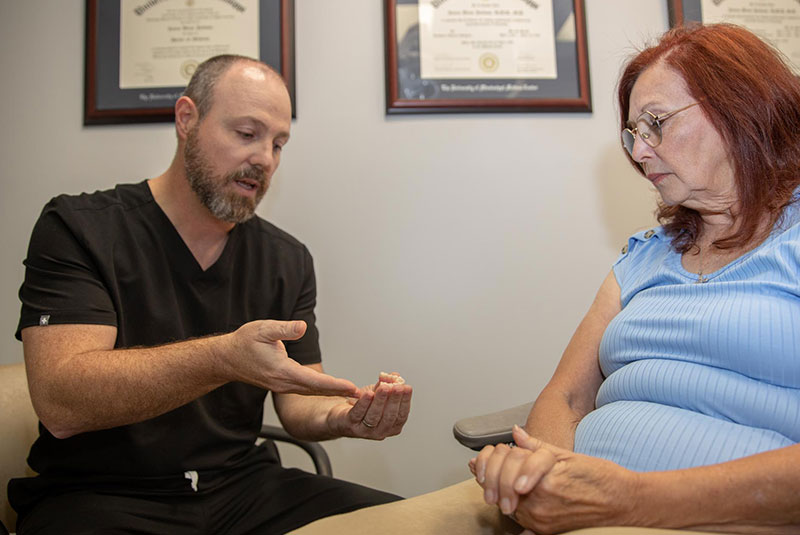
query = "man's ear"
{"x": 186, "y": 116}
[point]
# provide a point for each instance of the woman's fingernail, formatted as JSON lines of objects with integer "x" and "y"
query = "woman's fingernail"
{"x": 490, "y": 497}
{"x": 520, "y": 484}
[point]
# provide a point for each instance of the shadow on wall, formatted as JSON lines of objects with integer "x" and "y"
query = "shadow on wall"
{"x": 628, "y": 202}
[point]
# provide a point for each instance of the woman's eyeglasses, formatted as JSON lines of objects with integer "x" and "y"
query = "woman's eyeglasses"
{"x": 648, "y": 128}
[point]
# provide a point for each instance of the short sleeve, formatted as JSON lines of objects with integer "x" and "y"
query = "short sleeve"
{"x": 636, "y": 255}
{"x": 62, "y": 284}
{"x": 306, "y": 350}
{"x": 622, "y": 264}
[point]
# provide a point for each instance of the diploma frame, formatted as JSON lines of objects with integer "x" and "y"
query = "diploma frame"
{"x": 105, "y": 103}
{"x": 569, "y": 92}
{"x": 681, "y": 11}
{"x": 684, "y": 11}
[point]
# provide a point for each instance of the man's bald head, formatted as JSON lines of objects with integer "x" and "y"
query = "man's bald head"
{"x": 208, "y": 74}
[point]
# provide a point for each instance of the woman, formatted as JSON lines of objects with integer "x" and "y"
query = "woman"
{"x": 696, "y": 399}
{"x": 677, "y": 402}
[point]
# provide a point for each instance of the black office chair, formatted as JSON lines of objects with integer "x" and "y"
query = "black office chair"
{"x": 322, "y": 463}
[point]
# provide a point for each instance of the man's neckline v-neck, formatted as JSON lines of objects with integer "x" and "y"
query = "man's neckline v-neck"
{"x": 183, "y": 259}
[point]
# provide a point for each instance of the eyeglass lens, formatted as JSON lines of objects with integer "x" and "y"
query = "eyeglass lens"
{"x": 649, "y": 131}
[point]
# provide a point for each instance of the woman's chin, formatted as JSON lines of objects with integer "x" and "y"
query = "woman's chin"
{"x": 669, "y": 198}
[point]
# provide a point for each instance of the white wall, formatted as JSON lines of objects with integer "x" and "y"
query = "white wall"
{"x": 459, "y": 250}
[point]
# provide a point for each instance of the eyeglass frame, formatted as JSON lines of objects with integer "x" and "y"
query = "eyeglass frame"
{"x": 657, "y": 122}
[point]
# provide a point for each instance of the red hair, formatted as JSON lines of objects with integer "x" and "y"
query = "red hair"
{"x": 752, "y": 98}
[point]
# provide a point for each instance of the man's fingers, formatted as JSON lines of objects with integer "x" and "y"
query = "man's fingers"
{"x": 396, "y": 411}
{"x": 374, "y": 415}
{"x": 405, "y": 407}
{"x": 359, "y": 410}
{"x": 390, "y": 410}
{"x": 381, "y": 412}
{"x": 306, "y": 381}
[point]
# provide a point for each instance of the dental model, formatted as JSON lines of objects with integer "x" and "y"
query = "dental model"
{"x": 391, "y": 378}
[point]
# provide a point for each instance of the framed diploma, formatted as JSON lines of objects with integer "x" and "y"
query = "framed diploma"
{"x": 775, "y": 21}
{"x": 486, "y": 56}
{"x": 140, "y": 54}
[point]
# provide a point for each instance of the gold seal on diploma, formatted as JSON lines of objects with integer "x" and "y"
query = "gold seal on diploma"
{"x": 489, "y": 62}
{"x": 188, "y": 67}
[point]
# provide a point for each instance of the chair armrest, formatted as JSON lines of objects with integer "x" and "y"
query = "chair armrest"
{"x": 319, "y": 456}
{"x": 479, "y": 431}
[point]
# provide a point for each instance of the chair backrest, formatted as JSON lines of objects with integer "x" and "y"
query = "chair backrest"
{"x": 18, "y": 429}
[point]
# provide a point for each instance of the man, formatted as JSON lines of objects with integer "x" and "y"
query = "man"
{"x": 149, "y": 417}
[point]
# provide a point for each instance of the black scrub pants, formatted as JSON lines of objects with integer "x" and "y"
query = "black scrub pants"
{"x": 265, "y": 499}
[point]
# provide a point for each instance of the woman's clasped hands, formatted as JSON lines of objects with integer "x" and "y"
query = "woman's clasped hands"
{"x": 549, "y": 489}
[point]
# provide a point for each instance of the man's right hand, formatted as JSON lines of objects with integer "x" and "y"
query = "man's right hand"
{"x": 79, "y": 382}
{"x": 257, "y": 356}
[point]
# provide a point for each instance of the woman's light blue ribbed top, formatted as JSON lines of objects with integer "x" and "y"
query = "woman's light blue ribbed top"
{"x": 698, "y": 374}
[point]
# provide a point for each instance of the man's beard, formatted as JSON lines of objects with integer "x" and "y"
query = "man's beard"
{"x": 211, "y": 189}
